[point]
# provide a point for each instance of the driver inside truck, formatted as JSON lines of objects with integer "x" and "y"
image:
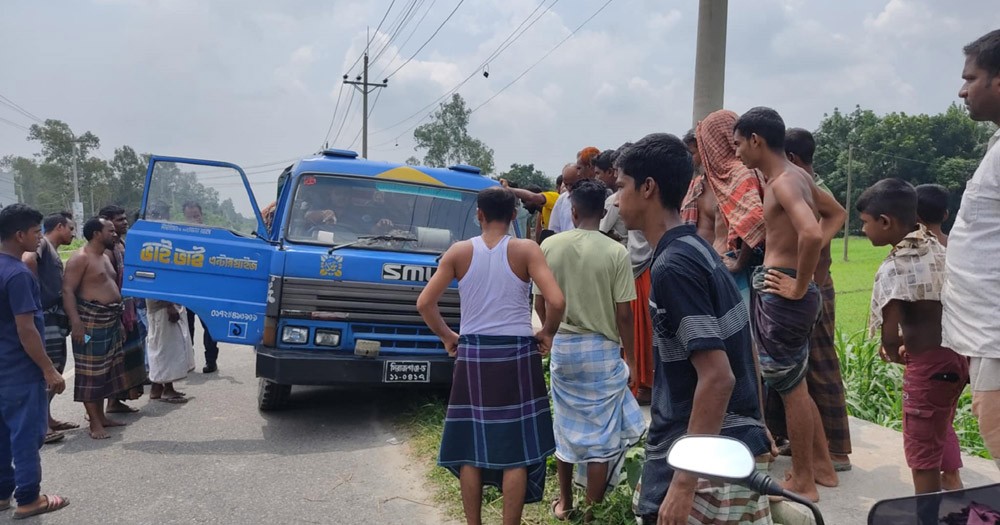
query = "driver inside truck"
{"x": 354, "y": 207}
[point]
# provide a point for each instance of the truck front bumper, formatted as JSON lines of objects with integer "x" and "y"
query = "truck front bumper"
{"x": 291, "y": 367}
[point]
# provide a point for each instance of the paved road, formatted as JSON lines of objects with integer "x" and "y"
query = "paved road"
{"x": 329, "y": 458}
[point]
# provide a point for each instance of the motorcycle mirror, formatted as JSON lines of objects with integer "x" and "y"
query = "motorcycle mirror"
{"x": 717, "y": 458}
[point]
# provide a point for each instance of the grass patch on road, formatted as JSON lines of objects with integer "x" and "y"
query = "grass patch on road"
{"x": 424, "y": 423}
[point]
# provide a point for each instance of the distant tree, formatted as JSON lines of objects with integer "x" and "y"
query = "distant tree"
{"x": 943, "y": 148}
{"x": 525, "y": 175}
{"x": 446, "y": 139}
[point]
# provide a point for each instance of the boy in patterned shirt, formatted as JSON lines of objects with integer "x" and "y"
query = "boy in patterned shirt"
{"x": 906, "y": 305}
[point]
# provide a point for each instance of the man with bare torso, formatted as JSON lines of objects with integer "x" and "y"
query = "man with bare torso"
{"x": 93, "y": 303}
{"x": 799, "y": 219}
{"x": 135, "y": 335}
{"x": 700, "y": 206}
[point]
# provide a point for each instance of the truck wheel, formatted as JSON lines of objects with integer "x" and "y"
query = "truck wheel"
{"x": 271, "y": 395}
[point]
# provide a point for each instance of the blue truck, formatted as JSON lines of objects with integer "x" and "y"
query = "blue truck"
{"x": 326, "y": 293}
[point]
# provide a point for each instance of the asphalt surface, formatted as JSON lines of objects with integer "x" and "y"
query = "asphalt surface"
{"x": 331, "y": 457}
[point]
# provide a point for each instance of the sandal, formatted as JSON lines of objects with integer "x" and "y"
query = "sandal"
{"x": 555, "y": 513}
{"x": 52, "y": 504}
{"x": 53, "y": 437}
{"x": 174, "y": 400}
{"x": 4, "y": 504}
{"x": 64, "y": 425}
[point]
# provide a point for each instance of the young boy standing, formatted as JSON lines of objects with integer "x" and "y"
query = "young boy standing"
{"x": 799, "y": 219}
{"x": 932, "y": 209}
{"x": 705, "y": 381}
{"x": 907, "y": 296}
{"x": 25, "y": 370}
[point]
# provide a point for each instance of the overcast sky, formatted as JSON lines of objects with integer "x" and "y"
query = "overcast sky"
{"x": 256, "y": 81}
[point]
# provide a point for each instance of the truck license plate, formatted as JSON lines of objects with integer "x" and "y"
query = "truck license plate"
{"x": 407, "y": 372}
{"x": 367, "y": 348}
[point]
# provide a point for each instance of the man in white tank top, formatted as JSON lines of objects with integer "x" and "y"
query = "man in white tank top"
{"x": 498, "y": 394}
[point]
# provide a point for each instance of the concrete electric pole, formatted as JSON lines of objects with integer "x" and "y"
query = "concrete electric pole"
{"x": 362, "y": 85}
{"x": 710, "y": 58}
{"x": 77, "y": 203}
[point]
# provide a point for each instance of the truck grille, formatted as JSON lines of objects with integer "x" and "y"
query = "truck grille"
{"x": 360, "y": 302}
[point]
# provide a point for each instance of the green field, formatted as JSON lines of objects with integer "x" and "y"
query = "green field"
{"x": 853, "y": 281}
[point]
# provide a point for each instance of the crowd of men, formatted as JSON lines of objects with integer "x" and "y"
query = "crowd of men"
{"x": 119, "y": 344}
{"x": 694, "y": 275}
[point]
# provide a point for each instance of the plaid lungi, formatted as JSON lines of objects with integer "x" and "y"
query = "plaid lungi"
{"x": 826, "y": 386}
{"x": 99, "y": 363}
{"x": 727, "y": 504}
{"x": 55, "y": 340}
{"x": 134, "y": 351}
{"x": 596, "y": 417}
{"x": 781, "y": 329}
{"x": 498, "y": 416}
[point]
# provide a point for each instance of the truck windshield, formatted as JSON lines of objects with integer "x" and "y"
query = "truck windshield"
{"x": 383, "y": 215}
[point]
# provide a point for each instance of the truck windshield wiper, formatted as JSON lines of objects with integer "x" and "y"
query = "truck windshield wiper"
{"x": 372, "y": 238}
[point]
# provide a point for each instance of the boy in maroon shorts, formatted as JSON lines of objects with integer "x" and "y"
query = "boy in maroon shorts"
{"x": 906, "y": 305}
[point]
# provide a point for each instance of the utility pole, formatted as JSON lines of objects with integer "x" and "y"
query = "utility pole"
{"x": 847, "y": 224}
{"x": 77, "y": 203}
{"x": 710, "y": 58}
{"x": 361, "y": 84}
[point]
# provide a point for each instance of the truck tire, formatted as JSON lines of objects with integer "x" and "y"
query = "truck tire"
{"x": 271, "y": 395}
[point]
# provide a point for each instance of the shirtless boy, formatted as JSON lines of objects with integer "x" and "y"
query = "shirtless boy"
{"x": 799, "y": 219}
{"x": 94, "y": 305}
{"x": 907, "y": 295}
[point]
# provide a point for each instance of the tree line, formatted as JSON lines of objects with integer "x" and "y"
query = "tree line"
{"x": 45, "y": 181}
{"x": 944, "y": 149}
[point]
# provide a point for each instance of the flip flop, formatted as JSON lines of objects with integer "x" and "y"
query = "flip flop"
{"x": 4, "y": 504}
{"x": 53, "y": 437}
{"x": 52, "y": 504}
{"x": 555, "y": 513}
{"x": 842, "y": 466}
{"x": 65, "y": 425}
{"x": 175, "y": 400}
{"x": 126, "y": 410}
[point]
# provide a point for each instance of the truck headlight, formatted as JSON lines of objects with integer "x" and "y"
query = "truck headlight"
{"x": 327, "y": 337}
{"x": 295, "y": 335}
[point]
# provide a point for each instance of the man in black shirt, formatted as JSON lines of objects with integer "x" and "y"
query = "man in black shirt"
{"x": 705, "y": 381}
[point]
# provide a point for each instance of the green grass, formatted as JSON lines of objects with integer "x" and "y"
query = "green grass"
{"x": 853, "y": 280}
{"x": 424, "y": 422}
{"x": 65, "y": 252}
{"x": 873, "y": 394}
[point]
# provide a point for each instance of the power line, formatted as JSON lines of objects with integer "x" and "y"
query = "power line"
{"x": 496, "y": 53}
{"x": 894, "y": 156}
{"x": 346, "y": 113}
{"x": 369, "y": 37}
{"x": 428, "y": 41}
{"x": 13, "y": 105}
{"x": 334, "y": 117}
{"x": 14, "y": 124}
{"x": 370, "y": 111}
{"x": 397, "y": 27}
{"x": 399, "y": 48}
{"x": 546, "y": 55}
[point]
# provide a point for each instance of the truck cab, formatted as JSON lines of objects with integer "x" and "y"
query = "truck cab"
{"x": 326, "y": 293}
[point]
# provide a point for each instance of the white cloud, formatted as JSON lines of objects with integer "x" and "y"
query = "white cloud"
{"x": 255, "y": 81}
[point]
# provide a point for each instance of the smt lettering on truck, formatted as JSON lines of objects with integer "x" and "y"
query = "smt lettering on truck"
{"x": 326, "y": 292}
